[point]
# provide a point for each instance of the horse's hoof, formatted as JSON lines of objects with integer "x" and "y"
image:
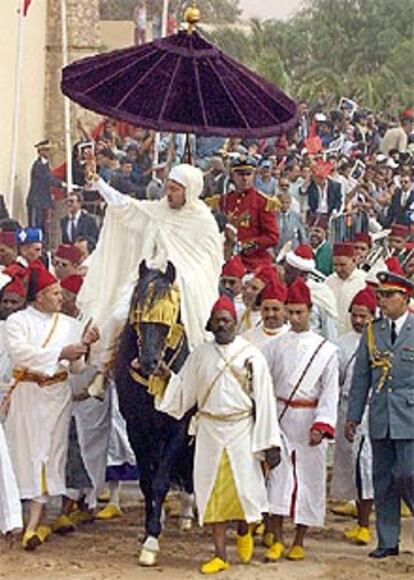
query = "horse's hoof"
{"x": 186, "y": 524}
{"x": 148, "y": 558}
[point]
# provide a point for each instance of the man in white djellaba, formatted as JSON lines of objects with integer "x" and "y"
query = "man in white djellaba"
{"x": 178, "y": 228}
{"x": 352, "y": 468}
{"x": 236, "y": 429}
{"x": 304, "y": 369}
{"x": 43, "y": 346}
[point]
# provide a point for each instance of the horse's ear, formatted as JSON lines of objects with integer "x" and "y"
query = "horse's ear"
{"x": 142, "y": 269}
{"x": 170, "y": 272}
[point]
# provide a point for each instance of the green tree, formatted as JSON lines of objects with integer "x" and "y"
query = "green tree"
{"x": 363, "y": 49}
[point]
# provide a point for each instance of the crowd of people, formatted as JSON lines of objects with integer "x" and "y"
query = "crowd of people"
{"x": 293, "y": 258}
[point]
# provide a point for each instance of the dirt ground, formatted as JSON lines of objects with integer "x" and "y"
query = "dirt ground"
{"x": 107, "y": 550}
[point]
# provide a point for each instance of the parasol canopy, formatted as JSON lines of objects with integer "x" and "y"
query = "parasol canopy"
{"x": 180, "y": 84}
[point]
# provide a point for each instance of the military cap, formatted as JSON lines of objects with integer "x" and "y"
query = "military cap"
{"x": 44, "y": 144}
{"x": 244, "y": 164}
{"x": 390, "y": 282}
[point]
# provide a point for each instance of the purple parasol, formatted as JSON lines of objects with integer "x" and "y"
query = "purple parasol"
{"x": 181, "y": 84}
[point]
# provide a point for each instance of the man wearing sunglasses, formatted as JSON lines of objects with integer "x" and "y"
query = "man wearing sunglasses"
{"x": 384, "y": 368}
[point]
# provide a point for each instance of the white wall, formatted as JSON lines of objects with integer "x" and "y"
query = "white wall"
{"x": 32, "y": 105}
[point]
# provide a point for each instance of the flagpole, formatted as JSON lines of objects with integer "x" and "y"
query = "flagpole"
{"x": 17, "y": 98}
{"x": 66, "y": 102}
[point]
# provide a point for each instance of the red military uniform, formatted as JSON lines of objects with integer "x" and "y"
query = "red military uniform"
{"x": 253, "y": 214}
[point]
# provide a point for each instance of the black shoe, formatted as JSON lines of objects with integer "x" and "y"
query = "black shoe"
{"x": 384, "y": 552}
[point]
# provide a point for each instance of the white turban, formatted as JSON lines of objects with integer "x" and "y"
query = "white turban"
{"x": 300, "y": 263}
{"x": 189, "y": 177}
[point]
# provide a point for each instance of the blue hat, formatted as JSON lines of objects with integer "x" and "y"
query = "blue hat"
{"x": 29, "y": 236}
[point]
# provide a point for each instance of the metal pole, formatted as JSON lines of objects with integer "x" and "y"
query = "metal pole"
{"x": 17, "y": 93}
{"x": 66, "y": 102}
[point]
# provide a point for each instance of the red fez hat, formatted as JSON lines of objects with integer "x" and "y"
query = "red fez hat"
{"x": 266, "y": 274}
{"x": 394, "y": 266}
{"x": 225, "y": 303}
{"x": 304, "y": 251}
{"x": 72, "y": 283}
{"x": 343, "y": 249}
{"x": 367, "y": 298}
{"x": 322, "y": 169}
{"x": 275, "y": 290}
{"x": 8, "y": 239}
{"x": 40, "y": 277}
{"x": 234, "y": 267}
{"x": 68, "y": 252}
{"x": 16, "y": 270}
{"x": 16, "y": 287}
{"x": 319, "y": 221}
{"x": 399, "y": 231}
{"x": 364, "y": 238}
{"x": 299, "y": 293}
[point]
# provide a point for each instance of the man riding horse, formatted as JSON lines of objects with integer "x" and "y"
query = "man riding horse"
{"x": 179, "y": 229}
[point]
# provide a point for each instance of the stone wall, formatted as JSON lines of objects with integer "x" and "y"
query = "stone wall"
{"x": 83, "y": 40}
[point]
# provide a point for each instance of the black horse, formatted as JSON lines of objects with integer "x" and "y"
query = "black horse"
{"x": 153, "y": 333}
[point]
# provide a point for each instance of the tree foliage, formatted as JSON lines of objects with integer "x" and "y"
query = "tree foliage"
{"x": 362, "y": 49}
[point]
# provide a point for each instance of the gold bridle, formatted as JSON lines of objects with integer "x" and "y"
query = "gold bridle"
{"x": 166, "y": 311}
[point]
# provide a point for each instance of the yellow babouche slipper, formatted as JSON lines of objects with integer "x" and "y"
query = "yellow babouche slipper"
{"x": 345, "y": 509}
{"x": 405, "y": 510}
{"x": 245, "y": 547}
{"x": 352, "y": 533}
{"x": 268, "y": 539}
{"x": 109, "y": 512}
{"x": 43, "y": 533}
{"x": 296, "y": 553}
{"x": 31, "y": 540}
{"x": 81, "y": 517}
{"x": 275, "y": 552}
{"x": 63, "y": 525}
{"x": 214, "y": 565}
{"x": 363, "y": 536}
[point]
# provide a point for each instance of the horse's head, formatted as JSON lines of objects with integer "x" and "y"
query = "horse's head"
{"x": 155, "y": 314}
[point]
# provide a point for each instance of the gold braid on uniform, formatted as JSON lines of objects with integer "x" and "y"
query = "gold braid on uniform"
{"x": 378, "y": 359}
{"x": 272, "y": 203}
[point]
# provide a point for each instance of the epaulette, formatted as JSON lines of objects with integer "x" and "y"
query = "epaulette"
{"x": 213, "y": 202}
{"x": 272, "y": 203}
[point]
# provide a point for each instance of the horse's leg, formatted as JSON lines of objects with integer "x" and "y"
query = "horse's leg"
{"x": 162, "y": 478}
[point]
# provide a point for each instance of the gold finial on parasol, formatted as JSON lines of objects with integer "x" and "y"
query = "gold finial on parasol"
{"x": 192, "y": 16}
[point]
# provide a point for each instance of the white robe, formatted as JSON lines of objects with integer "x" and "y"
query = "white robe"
{"x": 10, "y": 506}
{"x": 352, "y": 468}
{"x": 297, "y": 487}
{"x": 243, "y": 439}
{"x": 38, "y": 419}
{"x": 136, "y": 230}
{"x": 344, "y": 291}
{"x": 259, "y": 337}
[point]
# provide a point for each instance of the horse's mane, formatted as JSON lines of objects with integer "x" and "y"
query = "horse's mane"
{"x": 160, "y": 285}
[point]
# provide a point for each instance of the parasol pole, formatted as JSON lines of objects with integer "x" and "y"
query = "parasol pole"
{"x": 66, "y": 102}
{"x": 164, "y": 23}
{"x": 17, "y": 99}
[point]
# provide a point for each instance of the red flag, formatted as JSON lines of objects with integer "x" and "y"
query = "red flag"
{"x": 26, "y": 6}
